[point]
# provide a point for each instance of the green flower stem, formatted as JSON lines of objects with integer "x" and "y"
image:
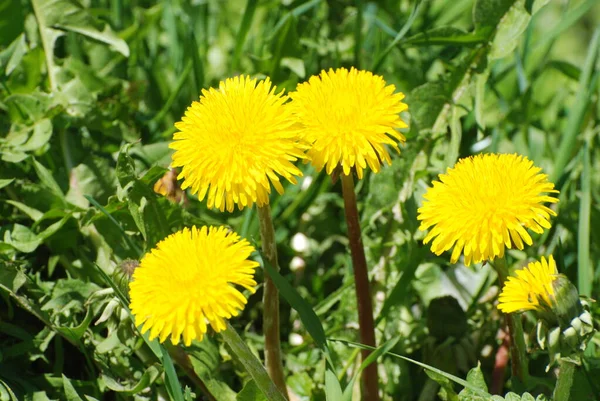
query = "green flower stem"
{"x": 562, "y": 391}
{"x": 370, "y": 377}
{"x": 273, "y": 359}
{"x": 255, "y": 369}
{"x": 518, "y": 349}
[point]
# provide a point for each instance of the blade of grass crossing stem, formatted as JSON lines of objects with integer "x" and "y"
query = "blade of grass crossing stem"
{"x": 448, "y": 376}
{"x": 306, "y": 313}
{"x": 243, "y": 32}
{"x": 399, "y": 36}
{"x": 578, "y": 110}
{"x": 381, "y": 350}
{"x": 585, "y": 275}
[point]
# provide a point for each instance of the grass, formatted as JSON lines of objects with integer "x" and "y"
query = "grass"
{"x": 88, "y": 98}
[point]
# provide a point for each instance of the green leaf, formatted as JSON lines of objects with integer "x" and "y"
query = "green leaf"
{"x": 445, "y": 35}
{"x": 381, "y": 350}
{"x": 12, "y": 22}
{"x": 251, "y": 392}
{"x": 476, "y": 380}
{"x": 70, "y": 392}
{"x": 509, "y": 30}
{"x": 333, "y": 389}
{"x": 146, "y": 380}
{"x": 47, "y": 179}
{"x": 11, "y": 57}
{"x": 445, "y": 384}
{"x": 42, "y": 132}
{"x": 68, "y": 15}
{"x": 74, "y": 334}
{"x": 22, "y": 239}
{"x": 307, "y": 314}
{"x": 5, "y": 182}
{"x": 34, "y": 214}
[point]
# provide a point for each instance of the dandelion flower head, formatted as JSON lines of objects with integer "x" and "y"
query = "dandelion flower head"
{"x": 348, "y": 117}
{"x": 484, "y": 204}
{"x": 188, "y": 282}
{"x": 235, "y": 142}
{"x": 530, "y": 289}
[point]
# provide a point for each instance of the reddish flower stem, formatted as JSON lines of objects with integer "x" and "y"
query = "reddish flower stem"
{"x": 370, "y": 379}
{"x": 273, "y": 359}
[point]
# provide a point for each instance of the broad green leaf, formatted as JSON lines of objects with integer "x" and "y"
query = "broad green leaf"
{"x": 250, "y": 392}
{"x": 42, "y": 132}
{"x": 33, "y": 214}
{"x": 5, "y": 182}
{"x": 475, "y": 379}
{"x": 69, "y": 15}
{"x": 333, "y": 389}
{"x": 22, "y": 239}
{"x": 11, "y": 22}
{"x": 11, "y": 57}
{"x": 70, "y": 392}
{"x": 47, "y": 179}
{"x": 12, "y": 279}
{"x": 74, "y": 334}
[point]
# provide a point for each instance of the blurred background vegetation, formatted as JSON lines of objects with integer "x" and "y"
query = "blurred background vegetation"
{"x": 79, "y": 81}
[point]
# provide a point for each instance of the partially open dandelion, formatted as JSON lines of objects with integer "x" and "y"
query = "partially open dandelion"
{"x": 188, "y": 282}
{"x": 235, "y": 142}
{"x": 531, "y": 288}
{"x": 348, "y": 117}
{"x": 484, "y": 204}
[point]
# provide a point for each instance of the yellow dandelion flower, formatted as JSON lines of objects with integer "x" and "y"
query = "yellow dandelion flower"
{"x": 188, "y": 281}
{"x": 485, "y": 204}
{"x": 348, "y": 117}
{"x": 235, "y": 142}
{"x": 531, "y": 289}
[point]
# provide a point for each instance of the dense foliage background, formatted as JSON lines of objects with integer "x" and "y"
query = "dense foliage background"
{"x": 89, "y": 93}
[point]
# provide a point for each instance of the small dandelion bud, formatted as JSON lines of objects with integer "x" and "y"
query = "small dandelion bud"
{"x": 566, "y": 303}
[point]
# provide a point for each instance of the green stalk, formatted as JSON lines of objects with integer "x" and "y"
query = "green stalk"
{"x": 255, "y": 369}
{"x": 565, "y": 381}
{"x": 370, "y": 379}
{"x": 273, "y": 359}
{"x": 518, "y": 349}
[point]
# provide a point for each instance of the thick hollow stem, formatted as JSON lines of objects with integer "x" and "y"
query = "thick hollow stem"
{"x": 370, "y": 378}
{"x": 562, "y": 391}
{"x": 241, "y": 352}
{"x": 518, "y": 349}
{"x": 273, "y": 359}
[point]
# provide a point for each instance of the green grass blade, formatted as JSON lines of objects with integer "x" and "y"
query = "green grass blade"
{"x": 585, "y": 273}
{"x": 455, "y": 379}
{"x": 411, "y": 19}
{"x": 578, "y": 110}
{"x": 240, "y": 40}
{"x": 566, "y": 21}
